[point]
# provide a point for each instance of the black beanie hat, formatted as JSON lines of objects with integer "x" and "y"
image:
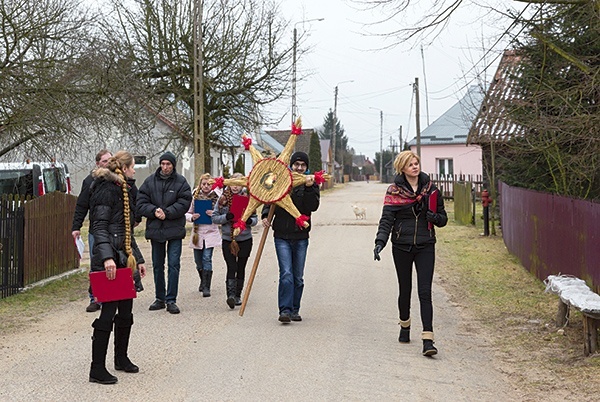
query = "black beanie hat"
{"x": 168, "y": 156}
{"x": 299, "y": 156}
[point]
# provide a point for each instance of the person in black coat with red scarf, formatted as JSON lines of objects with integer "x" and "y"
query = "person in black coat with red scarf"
{"x": 412, "y": 208}
{"x": 111, "y": 222}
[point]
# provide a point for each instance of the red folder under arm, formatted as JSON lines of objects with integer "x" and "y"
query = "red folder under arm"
{"x": 120, "y": 288}
{"x": 433, "y": 198}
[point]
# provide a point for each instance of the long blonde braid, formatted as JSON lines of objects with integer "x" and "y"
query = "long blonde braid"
{"x": 119, "y": 159}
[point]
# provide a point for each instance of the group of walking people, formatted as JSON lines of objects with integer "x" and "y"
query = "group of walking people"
{"x": 410, "y": 214}
{"x": 166, "y": 200}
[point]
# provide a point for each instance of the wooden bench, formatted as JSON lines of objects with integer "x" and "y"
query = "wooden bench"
{"x": 573, "y": 292}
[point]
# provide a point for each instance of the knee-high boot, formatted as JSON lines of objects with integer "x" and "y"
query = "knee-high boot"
{"x": 206, "y": 280}
{"x": 122, "y": 334}
{"x": 98, "y": 372}
{"x": 201, "y": 275}
{"x": 231, "y": 286}
{"x": 238, "y": 291}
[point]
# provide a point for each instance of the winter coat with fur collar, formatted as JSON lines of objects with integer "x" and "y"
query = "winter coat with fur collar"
{"x": 107, "y": 220}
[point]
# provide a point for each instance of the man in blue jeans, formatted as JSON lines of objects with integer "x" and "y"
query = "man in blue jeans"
{"x": 163, "y": 199}
{"x": 291, "y": 240}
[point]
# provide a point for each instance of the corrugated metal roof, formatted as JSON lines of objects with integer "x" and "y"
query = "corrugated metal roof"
{"x": 270, "y": 142}
{"x": 493, "y": 121}
{"x": 453, "y": 126}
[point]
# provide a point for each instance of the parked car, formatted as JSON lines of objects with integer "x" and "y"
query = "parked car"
{"x": 34, "y": 178}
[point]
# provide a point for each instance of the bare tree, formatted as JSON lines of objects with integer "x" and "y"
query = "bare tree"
{"x": 246, "y": 63}
{"x": 58, "y": 81}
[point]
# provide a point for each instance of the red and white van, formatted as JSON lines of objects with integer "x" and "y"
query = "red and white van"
{"x": 34, "y": 178}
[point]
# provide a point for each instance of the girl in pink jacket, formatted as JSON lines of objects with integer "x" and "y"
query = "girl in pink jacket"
{"x": 205, "y": 236}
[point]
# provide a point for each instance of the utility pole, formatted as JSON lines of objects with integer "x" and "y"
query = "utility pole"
{"x": 199, "y": 151}
{"x": 294, "y": 78}
{"x": 334, "y": 135}
{"x": 401, "y": 143}
{"x": 294, "y": 75}
{"x": 417, "y": 115}
{"x": 381, "y": 145}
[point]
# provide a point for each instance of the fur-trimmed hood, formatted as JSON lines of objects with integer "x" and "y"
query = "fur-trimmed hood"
{"x": 107, "y": 175}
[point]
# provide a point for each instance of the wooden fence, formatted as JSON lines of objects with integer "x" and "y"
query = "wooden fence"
{"x": 35, "y": 239}
{"x": 446, "y": 183}
{"x": 49, "y": 246}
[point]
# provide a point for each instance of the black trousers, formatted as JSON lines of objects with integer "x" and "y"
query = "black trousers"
{"x": 109, "y": 310}
{"x": 236, "y": 266}
{"x": 424, "y": 261}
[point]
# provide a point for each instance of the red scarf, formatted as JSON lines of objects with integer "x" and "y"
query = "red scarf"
{"x": 396, "y": 195}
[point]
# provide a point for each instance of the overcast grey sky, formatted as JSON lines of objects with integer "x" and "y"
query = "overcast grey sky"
{"x": 382, "y": 79}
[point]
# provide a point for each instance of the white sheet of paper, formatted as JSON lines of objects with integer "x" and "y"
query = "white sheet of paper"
{"x": 80, "y": 246}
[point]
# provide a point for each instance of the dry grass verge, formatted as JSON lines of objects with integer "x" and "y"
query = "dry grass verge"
{"x": 509, "y": 306}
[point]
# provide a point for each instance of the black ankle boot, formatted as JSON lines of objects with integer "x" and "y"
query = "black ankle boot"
{"x": 201, "y": 275}
{"x": 238, "y": 292}
{"x": 231, "y": 285}
{"x": 206, "y": 280}
{"x": 428, "y": 348}
{"x": 404, "y": 335}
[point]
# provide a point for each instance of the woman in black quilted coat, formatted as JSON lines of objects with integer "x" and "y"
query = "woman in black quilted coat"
{"x": 111, "y": 222}
{"x": 410, "y": 221}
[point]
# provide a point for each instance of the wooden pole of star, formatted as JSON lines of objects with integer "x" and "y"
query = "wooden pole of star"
{"x": 259, "y": 250}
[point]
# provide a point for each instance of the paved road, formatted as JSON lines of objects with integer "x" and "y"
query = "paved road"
{"x": 345, "y": 349}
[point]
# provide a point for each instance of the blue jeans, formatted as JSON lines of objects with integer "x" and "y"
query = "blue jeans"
{"x": 203, "y": 258}
{"x": 291, "y": 256}
{"x": 173, "y": 254}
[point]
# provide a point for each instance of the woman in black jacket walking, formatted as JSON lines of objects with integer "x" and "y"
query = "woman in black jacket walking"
{"x": 407, "y": 216}
{"x": 111, "y": 222}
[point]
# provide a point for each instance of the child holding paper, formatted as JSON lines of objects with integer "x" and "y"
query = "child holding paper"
{"x": 235, "y": 251}
{"x": 205, "y": 235}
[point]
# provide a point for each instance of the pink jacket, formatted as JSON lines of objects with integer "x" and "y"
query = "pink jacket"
{"x": 208, "y": 235}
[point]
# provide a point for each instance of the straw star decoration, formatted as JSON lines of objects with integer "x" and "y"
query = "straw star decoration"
{"x": 271, "y": 181}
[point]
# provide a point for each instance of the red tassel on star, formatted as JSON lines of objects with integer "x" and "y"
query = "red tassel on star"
{"x": 218, "y": 183}
{"x": 302, "y": 221}
{"x": 240, "y": 224}
{"x": 296, "y": 130}
{"x": 247, "y": 141}
{"x": 319, "y": 179}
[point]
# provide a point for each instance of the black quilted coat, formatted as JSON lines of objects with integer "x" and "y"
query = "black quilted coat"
{"x": 107, "y": 221}
{"x": 407, "y": 224}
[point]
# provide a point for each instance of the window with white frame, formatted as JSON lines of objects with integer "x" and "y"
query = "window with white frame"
{"x": 445, "y": 167}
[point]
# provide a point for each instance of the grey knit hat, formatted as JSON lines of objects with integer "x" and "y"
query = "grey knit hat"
{"x": 168, "y": 156}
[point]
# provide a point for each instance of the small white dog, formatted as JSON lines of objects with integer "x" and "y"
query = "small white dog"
{"x": 360, "y": 213}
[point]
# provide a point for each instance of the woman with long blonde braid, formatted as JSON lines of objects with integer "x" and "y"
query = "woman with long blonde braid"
{"x": 111, "y": 223}
{"x": 205, "y": 237}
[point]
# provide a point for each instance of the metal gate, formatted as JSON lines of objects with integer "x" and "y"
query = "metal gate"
{"x": 12, "y": 239}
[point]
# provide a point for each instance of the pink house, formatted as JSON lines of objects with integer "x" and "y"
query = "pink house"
{"x": 444, "y": 149}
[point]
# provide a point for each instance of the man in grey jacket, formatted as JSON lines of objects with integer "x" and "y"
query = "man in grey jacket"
{"x": 163, "y": 199}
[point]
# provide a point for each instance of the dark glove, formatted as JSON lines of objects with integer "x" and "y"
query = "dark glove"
{"x": 137, "y": 280}
{"x": 249, "y": 221}
{"x": 376, "y": 252}
{"x": 432, "y": 217}
{"x": 229, "y": 216}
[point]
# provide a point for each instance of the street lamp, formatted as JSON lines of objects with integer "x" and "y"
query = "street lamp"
{"x": 334, "y": 136}
{"x": 380, "y": 143}
{"x": 294, "y": 108}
